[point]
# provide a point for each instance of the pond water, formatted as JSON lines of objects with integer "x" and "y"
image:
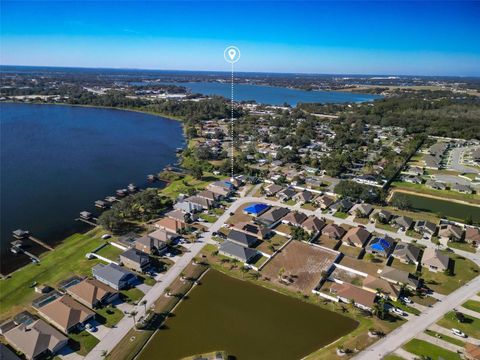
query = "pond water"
{"x": 57, "y": 160}
{"x": 247, "y": 321}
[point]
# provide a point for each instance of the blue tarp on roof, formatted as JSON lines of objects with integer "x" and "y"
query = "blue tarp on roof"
{"x": 380, "y": 245}
{"x": 256, "y": 209}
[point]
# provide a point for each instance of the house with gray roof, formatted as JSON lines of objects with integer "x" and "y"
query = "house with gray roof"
{"x": 400, "y": 277}
{"x": 407, "y": 253}
{"x": 362, "y": 210}
{"x": 241, "y": 253}
{"x": 241, "y": 238}
{"x": 343, "y": 205}
{"x": 425, "y": 227}
{"x": 7, "y": 354}
{"x": 286, "y": 194}
{"x": 273, "y": 216}
{"x": 114, "y": 275}
{"x": 403, "y": 222}
{"x": 135, "y": 259}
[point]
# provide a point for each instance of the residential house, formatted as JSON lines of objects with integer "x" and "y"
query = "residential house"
{"x": 434, "y": 260}
{"x": 357, "y": 236}
{"x": 66, "y": 313}
{"x": 256, "y": 209}
{"x": 242, "y": 238}
{"x": 435, "y": 185}
{"x": 210, "y": 196}
{"x": 348, "y": 293}
{"x": 425, "y": 227}
{"x": 324, "y": 201}
{"x": 114, "y": 276}
{"x": 192, "y": 204}
{"x": 259, "y": 231}
{"x": 407, "y": 253}
{"x": 465, "y": 189}
{"x": 236, "y": 251}
{"x": 222, "y": 188}
{"x": 343, "y": 205}
{"x": 382, "y": 246}
{"x": 182, "y": 216}
{"x": 272, "y": 217}
{"x": 272, "y": 189}
{"x": 403, "y": 222}
{"x": 294, "y": 218}
{"x": 361, "y": 210}
{"x": 472, "y": 235}
{"x": 35, "y": 339}
{"x": 313, "y": 224}
{"x": 170, "y": 225}
{"x": 383, "y": 216}
{"x": 135, "y": 259}
{"x": 333, "y": 231}
{"x": 303, "y": 197}
{"x": 450, "y": 232}
{"x": 286, "y": 194}
{"x": 381, "y": 286}
{"x": 92, "y": 293}
{"x": 400, "y": 277}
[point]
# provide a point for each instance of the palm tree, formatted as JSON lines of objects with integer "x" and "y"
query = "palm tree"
{"x": 144, "y": 303}
{"x": 132, "y": 314}
{"x": 224, "y": 260}
{"x": 244, "y": 270}
{"x": 167, "y": 291}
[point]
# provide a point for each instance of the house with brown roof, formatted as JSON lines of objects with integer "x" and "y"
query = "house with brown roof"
{"x": 313, "y": 224}
{"x": 471, "y": 351}
{"x": 181, "y": 215}
{"x": 361, "y": 210}
{"x": 324, "y": 201}
{"x": 382, "y": 287}
{"x": 407, "y": 253}
{"x": 357, "y": 236}
{"x": 35, "y": 339}
{"x": 250, "y": 228}
{"x": 333, "y": 231}
{"x": 294, "y": 218}
{"x": 348, "y": 293}
{"x": 434, "y": 260}
{"x": 170, "y": 225}
{"x": 92, "y": 293}
{"x": 303, "y": 197}
{"x": 66, "y": 313}
{"x": 472, "y": 235}
{"x": 272, "y": 189}
{"x": 210, "y": 196}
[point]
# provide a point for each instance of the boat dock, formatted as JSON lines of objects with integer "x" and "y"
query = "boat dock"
{"x": 25, "y": 234}
{"x": 41, "y": 243}
{"x": 17, "y": 248}
{"x": 87, "y": 218}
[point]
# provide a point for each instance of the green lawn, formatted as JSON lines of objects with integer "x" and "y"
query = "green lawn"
{"x": 133, "y": 294}
{"x": 424, "y": 300}
{"x": 461, "y": 246}
{"x": 424, "y": 348}
{"x": 290, "y": 202}
{"x": 465, "y": 270}
{"x": 413, "y": 234}
{"x": 110, "y": 252}
{"x": 472, "y": 305}
{"x": 386, "y": 227}
{"x": 66, "y": 260}
{"x": 207, "y": 217}
{"x": 109, "y": 316}
{"x": 309, "y": 206}
{"x": 83, "y": 342}
{"x": 471, "y": 327}
{"x": 341, "y": 215}
{"x": 259, "y": 261}
{"x": 452, "y": 340}
{"x": 182, "y": 186}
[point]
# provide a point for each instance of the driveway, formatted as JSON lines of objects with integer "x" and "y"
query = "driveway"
{"x": 68, "y": 354}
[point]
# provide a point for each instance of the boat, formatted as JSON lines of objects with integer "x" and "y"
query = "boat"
{"x": 122, "y": 192}
{"x": 132, "y": 188}
{"x": 152, "y": 178}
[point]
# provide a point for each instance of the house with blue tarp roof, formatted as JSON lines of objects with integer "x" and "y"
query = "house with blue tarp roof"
{"x": 381, "y": 246}
{"x": 256, "y": 209}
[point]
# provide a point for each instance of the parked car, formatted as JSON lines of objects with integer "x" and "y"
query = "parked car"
{"x": 458, "y": 333}
{"x": 406, "y": 300}
{"x": 90, "y": 328}
{"x": 106, "y": 236}
{"x": 398, "y": 311}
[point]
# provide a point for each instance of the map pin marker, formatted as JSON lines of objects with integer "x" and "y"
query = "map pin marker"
{"x": 232, "y": 53}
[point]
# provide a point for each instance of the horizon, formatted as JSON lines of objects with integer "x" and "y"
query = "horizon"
{"x": 237, "y": 73}
{"x": 402, "y": 38}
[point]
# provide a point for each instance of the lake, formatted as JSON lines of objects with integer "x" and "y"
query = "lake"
{"x": 274, "y": 95}
{"x": 57, "y": 160}
{"x": 247, "y": 321}
{"x": 456, "y": 211}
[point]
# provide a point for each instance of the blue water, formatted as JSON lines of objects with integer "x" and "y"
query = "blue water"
{"x": 275, "y": 95}
{"x": 57, "y": 160}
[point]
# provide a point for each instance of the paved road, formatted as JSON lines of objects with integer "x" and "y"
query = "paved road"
{"x": 455, "y": 161}
{"x": 419, "y": 323}
{"x": 377, "y": 350}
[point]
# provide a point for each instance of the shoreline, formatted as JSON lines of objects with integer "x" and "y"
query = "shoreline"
{"x": 61, "y": 241}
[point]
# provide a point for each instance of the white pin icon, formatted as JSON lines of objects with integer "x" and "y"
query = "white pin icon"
{"x": 231, "y": 54}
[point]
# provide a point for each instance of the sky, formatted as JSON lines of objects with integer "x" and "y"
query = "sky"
{"x": 341, "y": 37}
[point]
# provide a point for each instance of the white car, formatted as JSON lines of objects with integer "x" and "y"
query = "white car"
{"x": 398, "y": 311}
{"x": 106, "y": 236}
{"x": 90, "y": 328}
{"x": 406, "y": 300}
{"x": 458, "y": 333}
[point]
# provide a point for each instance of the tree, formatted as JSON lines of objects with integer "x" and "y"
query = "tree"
{"x": 281, "y": 272}
{"x": 167, "y": 291}
{"x": 197, "y": 172}
{"x": 133, "y": 314}
{"x": 401, "y": 202}
{"x": 144, "y": 303}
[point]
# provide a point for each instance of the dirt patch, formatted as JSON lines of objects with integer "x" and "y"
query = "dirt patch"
{"x": 303, "y": 265}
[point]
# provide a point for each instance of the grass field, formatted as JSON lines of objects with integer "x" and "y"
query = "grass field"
{"x": 110, "y": 252}
{"x": 465, "y": 270}
{"x": 341, "y": 215}
{"x": 471, "y": 327}
{"x": 472, "y": 305}
{"x": 83, "y": 342}
{"x": 133, "y": 294}
{"x": 109, "y": 316}
{"x": 461, "y": 246}
{"x": 424, "y": 348}
{"x": 452, "y": 340}
{"x": 182, "y": 186}
{"x": 16, "y": 291}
